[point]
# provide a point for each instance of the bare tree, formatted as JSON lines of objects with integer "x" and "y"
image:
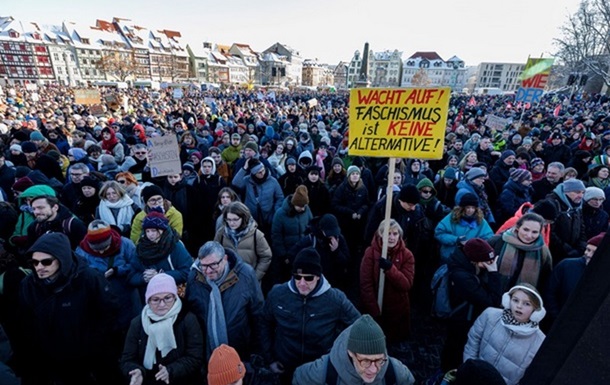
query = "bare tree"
{"x": 119, "y": 65}
{"x": 585, "y": 42}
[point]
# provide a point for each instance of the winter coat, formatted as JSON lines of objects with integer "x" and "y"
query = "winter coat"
{"x": 314, "y": 373}
{"x": 595, "y": 220}
{"x": 64, "y": 222}
{"x": 176, "y": 264}
{"x": 263, "y": 199}
{"x": 349, "y": 200}
{"x": 542, "y": 188}
{"x": 242, "y": 301}
{"x": 319, "y": 197}
{"x": 509, "y": 348}
{"x": 174, "y": 216}
{"x": 66, "y": 320}
{"x": 183, "y": 363}
{"x": 500, "y": 174}
{"x": 447, "y": 233}
{"x": 252, "y": 248}
{"x": 288, "y": 227}
{"x": 26, "y": 215}
{"x": 513, "y": 195}
{"x": 465, "y": 187}
{"x": 564, "y": 279}
{"x": 568, "y": 238}
{"x": 395, "y": 318}
{"x": 297, "y": 329}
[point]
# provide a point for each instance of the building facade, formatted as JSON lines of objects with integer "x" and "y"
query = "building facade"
{"x": 504, "y": 76}
{"x": 282, "y": 64}
{"x": 439, "y": 73}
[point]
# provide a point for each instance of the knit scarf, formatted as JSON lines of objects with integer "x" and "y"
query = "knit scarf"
{"x": 160, "y": 332}
{"x": 217, "y": 325}
{"x": 125, "y": 211}
{"x": 601, "y": 183}
{"x": 150, "y": 252}
{"x": 530, "y": 271}
{"x": 236, "y": 235}
{"x": 483, "y": 198}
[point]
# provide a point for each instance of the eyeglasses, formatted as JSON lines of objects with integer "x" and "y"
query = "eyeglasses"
{"x": 426, "y": 191}
{"x": 212, "y": 266}
{"x": 366, "y": 363}
{"x": 76, "y": 175}
{"x": 168, "y": 299}
{"x": 140, "y": 152}
{"x": 43, "y": 262}
{"x": 307, "y": 278}
{"x": 597, "y": 199}
{"x": 155, "y": 200}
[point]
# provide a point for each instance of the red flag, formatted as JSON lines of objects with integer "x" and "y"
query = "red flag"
{"x": 472, "y": 102}
{"x": 557, "y": 110}
{"x": 527, "y": 106}
{"x": 458, "y": 119}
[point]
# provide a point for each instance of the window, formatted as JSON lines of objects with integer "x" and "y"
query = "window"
{"x": 13, "y": 34}
{"x": 56, "y": 57}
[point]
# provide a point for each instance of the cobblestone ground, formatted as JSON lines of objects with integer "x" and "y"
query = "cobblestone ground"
{"x": 422, "y": 352}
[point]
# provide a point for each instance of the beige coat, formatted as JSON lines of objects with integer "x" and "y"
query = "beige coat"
{"x": 254, "y": 252}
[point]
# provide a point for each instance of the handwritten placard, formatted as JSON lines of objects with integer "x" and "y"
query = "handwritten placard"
{"x": 164, "y": 155}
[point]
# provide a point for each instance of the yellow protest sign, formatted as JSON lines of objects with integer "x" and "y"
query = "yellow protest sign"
{"x": 398, "y": 122}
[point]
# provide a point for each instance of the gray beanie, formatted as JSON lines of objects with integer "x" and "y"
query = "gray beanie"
{"x": 572, "y": 185}
{"x": 594, "y": 192}
{"x": 366, "y": 337}
{"x": 475, "y": 173}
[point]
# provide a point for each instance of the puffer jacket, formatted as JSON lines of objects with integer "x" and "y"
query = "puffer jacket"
{"x": 252, "y": 248}
{"x": 509, "y": 348}
{"x": 448, "y": 232}
{"x": 288, "y": 227}
{"x": 263, "y": 199}
{"x": 297, "y": 329}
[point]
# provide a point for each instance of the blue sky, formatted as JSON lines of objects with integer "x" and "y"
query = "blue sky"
{"x": 331, "y": 30}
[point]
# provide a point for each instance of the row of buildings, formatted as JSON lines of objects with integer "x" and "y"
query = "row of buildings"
{"x": 120, "y": 50}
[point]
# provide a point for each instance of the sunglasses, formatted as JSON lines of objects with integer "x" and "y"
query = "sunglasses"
{"x": 307, "y": 278}
{"x": 43, "y": 262}
{"x": 426, "y": 191}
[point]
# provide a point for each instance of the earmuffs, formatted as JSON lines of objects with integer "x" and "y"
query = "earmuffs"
{"x": 538, "y": 314}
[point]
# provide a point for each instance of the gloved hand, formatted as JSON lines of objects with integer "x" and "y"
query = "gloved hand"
{"x": 385, "y": 263}
{"x": 277, "y": 367}
{"x": 462, "y": 240}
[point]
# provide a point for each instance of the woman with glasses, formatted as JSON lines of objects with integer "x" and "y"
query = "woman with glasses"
{"x": 241, "y": 234}
{"x": 130, "y": 184}
{"x": 116, "y": 207}
{"x": 399, "y": 269}
{"x": 154, "y": 200}
{"x": 226, "y": 195}
{"x": 165, "y": 343}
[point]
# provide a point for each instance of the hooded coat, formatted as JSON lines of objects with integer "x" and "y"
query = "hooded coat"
{"x": 513, "y": 195}
{"x": 568, "y": 239}
{"x": 288, "y": 227}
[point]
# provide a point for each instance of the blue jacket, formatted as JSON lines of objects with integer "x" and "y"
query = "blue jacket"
{"x": 447, "y": 234}
{"x": 242, "y": 300}
{"x": 181, "y": 262}
{"x": 288, "y": 227}
{"x": 513, "y": 195}
{"x": 297, "y": 329}
{"x": 262, "y": 199}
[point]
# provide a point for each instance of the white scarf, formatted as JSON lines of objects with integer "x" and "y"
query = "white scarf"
{"x": 160, "y": 333}
{"x": 125, "y": 211}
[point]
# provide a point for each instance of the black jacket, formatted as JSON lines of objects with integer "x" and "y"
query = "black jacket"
{"x": 64, "y": 222}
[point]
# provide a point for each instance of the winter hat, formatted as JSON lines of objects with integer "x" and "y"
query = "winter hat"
{"x": 99, "y": 235}
{"x": 290, "y": 160}
{"x": 556, "y": 135}
{"x": 107, "y": 160}
{"x": 546, "y": 209}
{"x": 478, "y": 250}
{"x": 535, "y": 162}
{"x": 593, "y": 192}
{"x": 15, "y": 147}
{"x": 572, "y": 185}
{"x": 506, "y": 154}
{"x": 409, "y": 194}
{"x": 352, "y": 169}
{"x": 475, "y": 173}
{"x": 54, "y": 154}
{"x": 22, "y": 184}
{"x": 225, "y": 367}
{"x": 188, "y": 166}
{"x": 91, "y": 181}
{"x": 77, "y": 153}
{"x": 255, "y": 167}
{"x": 21, "y": 171}
{"x": 155, "y": 220}
{"x": 527, "y": 140}
{"x": 161, "y": 283}
{"x": 337, "y": 160}
{"x": 28, "y": 146}
{"x": 426, "y": 183}
{"x": 235, "y": 136}
{"x": 596, "y": 240}
{"x": 300, "y": 197}
{"x": 150, "y": 191}
{"x": 252, "y": 146}
{"x": 307, "y": 261}
{"x": 366, "y": 337}
{"x": 329, "y": 226}
{"x": 469, "y": 199}
{"x": 478, "y": 372}
{"x": 36, "y": 135}
{"x": 519, "y": 175}
{"x": 450, "y": 173}
{"x": 539, "y": 313}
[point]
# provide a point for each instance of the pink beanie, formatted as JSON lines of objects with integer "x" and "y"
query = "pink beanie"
{"x": 161, "y": 283}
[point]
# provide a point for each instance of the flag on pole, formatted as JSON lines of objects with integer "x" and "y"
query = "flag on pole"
{"x": 458, "y": 119}
{"x": 472, "y": 102}
{"x": 557, "y": 110}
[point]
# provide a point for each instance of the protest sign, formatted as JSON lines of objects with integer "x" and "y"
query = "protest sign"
{"x": 96, "y": 110}
{"x": 178, "y": 93}
{"x": 86, "y": 97}
{"x": 312, "y": 102}
{"x": 533, "y": 80}
{"x": 496, "y": 123}
{"x": 398, "y": 122}
{"x": 164, "y": 155}
{"x": 31, "y": 86}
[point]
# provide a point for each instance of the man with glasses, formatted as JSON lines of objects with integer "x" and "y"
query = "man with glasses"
{"x": 358, "y": 355}
{"x": 302, "y": 317}
{"x": 66, "y": 310}
{"x": 137, "y": 163}
{"x": 224, "y": 294}
{"x": 71, "y": 192}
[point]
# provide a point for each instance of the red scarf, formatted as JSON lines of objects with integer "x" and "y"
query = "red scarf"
{"x": 109, "y": 144}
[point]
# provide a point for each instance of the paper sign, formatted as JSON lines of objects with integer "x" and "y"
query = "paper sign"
{"x": 96, "y": 110}
{"x": 398, "y": 122}
{"x": 496, "y": 123}
{"x": 164, "y": 155}
{"x": 86, "y": 97}
{"x": 31, "y": 86}
{"x": 312, "y": 102}
{"x": 178, "y": 94}
{"x": 112, "y": 101}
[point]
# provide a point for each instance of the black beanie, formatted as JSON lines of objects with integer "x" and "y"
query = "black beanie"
{"x": 546, "y": 209}
{"x": 409, "y": 194}
{"x": 469, "y": 199}
{"x": 478, "y": 372}
{"x": 151, "y": 191}
{"x": 307, "y": 262}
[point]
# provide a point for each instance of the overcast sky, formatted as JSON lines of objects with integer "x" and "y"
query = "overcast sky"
{"x": 331, "y": 30}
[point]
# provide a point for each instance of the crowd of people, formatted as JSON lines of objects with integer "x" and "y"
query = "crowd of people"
{"x": 268, "y": 245}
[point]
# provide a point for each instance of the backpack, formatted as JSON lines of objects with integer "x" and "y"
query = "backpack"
{"x": 441, "y": 286}
{"x": 332, "y": 377}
